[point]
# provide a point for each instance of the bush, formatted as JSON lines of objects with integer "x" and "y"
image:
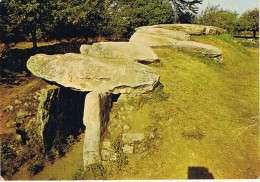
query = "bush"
{"x": 117, "y": 145}
{"x": 94, "y": 171}
{"x": 78, "y": 174}
{"x": 35, "y": 168}
{"x": 10, "y": 160}
{"x": 121, "y": 161}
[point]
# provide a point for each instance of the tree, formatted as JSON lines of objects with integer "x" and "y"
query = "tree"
{"x": 26, "y": 17}
{"x": 214, "y": 16}
{"x": 250, "y": 21}
{"x": 136, "y": 13}
{"x": 185, "y": 10}
{"x": 82, "y": 17}
{"x": 56, "y": 19}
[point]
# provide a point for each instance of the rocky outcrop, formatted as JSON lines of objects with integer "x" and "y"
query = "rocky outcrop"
{"x": 85, "y": 73}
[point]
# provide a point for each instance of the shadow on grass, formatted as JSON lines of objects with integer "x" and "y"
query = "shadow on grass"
{"x": 10, "y": 79}
{"x": 199, "y": 173}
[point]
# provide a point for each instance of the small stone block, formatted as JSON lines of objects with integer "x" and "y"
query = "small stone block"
{"x": 132, "y": 137}
{"x": 128, "y": 149}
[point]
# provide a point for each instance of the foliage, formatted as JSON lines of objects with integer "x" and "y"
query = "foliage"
{"x": 121, "y": 161}
{"x": 185, "y": 10}
{"x": 248, "y": 43}
{"x": 83, "y": 17}
{"x": 48, "y": 19}
{"x": 35, "y": 168}
{"x": 138, "y": 13}
{"x": 29, "y": 18}
{"x": 214, "y": 16}
{"x": 250, "y": 21}
{"x": 78, "y": 173}
{"x": 10, "y": 159}
{"x": 117, "y": 145}
{"x": 94, "y": 171}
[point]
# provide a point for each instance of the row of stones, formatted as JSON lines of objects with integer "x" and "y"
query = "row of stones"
{"x": 106, "y": 68}
{"x": 139, "y": 46}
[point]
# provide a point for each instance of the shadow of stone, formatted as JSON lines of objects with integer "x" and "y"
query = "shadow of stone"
{"x": 10, "y": 79}
{"x": 14, "y": 60}
{"x": 65, "y": 117}
{"x": 199, "y": 173}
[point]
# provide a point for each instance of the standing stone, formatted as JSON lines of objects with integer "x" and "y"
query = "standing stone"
{"x": 96, "y": 115}
{"x": 59, "y": 114}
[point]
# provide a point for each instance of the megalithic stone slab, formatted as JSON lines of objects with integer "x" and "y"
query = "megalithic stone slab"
{"x": 204, "y": 49}
{"x": 123, "y": 50}
{"x": 84, "y": 49}
{"x": 85, "y": 73}
{"x": 151, "y": 40}
{"x": 96, "y": 115}
{"x": 192, "y": 29}
{"x": 164, "y": 32}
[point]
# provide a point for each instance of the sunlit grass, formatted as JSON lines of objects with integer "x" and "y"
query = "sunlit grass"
{"x": 209, "y": 117}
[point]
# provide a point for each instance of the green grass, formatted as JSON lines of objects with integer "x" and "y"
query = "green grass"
{"x": 206, "y": 114}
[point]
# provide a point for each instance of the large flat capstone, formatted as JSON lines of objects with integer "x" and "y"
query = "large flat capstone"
{"x": 192, "y": 29}
{"x": 121, "y": 50}
{"x": 85, "y": 73}
{"x": 163, "y": 32}
{"x": 151, "y": 40}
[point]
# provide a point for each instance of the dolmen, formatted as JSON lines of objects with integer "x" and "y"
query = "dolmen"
{"x": 107, "y": 68}
{"x": 99, "y": 78}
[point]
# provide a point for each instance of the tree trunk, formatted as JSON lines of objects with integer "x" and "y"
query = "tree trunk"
{"x": 254, "y": 31}
{"x": 34, "y": 39}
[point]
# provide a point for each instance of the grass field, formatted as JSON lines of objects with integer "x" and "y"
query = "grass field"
{"x": 210, "y": 119}
{"x": 206, "y": 114}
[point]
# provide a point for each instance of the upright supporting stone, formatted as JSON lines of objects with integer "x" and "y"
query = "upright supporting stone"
{"x": 96, "y": 115}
